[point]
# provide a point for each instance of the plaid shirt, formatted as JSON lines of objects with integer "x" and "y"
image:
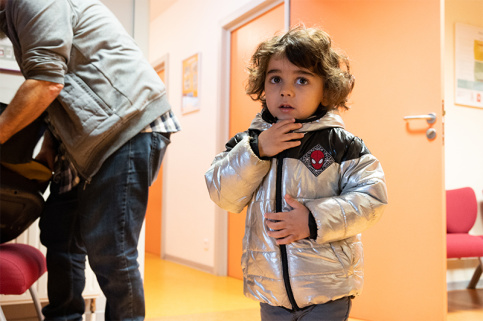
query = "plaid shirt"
{"x": 65, "y": 173}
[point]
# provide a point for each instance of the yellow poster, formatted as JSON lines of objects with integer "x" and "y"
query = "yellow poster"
{"x": 191, "y": 101}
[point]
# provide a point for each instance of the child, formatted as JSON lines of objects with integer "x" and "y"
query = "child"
{"x": 310, "y": 186}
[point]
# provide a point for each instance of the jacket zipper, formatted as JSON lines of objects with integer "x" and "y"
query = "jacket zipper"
{"x": 283, "y": 249}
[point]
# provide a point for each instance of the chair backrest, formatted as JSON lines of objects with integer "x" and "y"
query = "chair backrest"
{"x": 461, "y": 210}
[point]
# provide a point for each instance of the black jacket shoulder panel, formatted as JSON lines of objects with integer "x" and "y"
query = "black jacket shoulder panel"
{"x": 347, "y": 146}
{"x": 338, "y": 142}
{"x": 235, "y": 140}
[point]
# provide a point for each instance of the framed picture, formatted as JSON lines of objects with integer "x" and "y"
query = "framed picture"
{"x": 469, "y": 65}
{"x": 191, "y": 84}
{"x": 7, "y": 57}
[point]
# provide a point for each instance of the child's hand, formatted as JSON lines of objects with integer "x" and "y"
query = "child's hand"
{"x": 278, "y": 138}
{"x": 290, "y": 226}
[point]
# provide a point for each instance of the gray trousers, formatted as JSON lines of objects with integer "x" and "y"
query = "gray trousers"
{"x": 337, "y": 310}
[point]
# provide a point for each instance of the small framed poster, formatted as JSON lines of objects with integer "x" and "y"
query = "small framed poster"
{"x": 191, "y": 84}
{"x": 469, "y": 65}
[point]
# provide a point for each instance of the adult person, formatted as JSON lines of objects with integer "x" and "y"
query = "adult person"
{"x": 109, "y": 124}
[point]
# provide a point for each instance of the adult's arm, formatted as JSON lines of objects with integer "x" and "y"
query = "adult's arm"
{"x": 42, "y": 51}
{"x": 31, "y": 100}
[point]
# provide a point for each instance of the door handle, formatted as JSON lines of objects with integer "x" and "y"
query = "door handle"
{"x": 430, "y": 118}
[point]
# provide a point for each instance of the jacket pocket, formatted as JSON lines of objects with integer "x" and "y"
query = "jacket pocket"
{"x": 342, "y": 250}
{"x": 83, "y": 111}
{"x": 317, "y": 259}
{"x": 159, "y": 143}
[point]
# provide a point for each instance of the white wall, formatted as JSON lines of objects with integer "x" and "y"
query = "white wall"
{"x": 9, "y": 83}
{"x": 185, "y": 28}
{"x": 463, "y": 131}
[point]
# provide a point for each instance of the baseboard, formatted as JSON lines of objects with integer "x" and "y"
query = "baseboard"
{"x": 20, "y": 312}
{"x": 191, "y": 264}
{"x": 27, "y": 312}
{"x": 462, "y": 285}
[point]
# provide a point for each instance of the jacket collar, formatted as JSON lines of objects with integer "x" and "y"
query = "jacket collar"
{"x": 322, "y": 118}
{"x": 319, "y": 113}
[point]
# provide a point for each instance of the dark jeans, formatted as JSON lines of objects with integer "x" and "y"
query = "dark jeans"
{"x": 337, "y": 310}
{"x": 103, "y": 220}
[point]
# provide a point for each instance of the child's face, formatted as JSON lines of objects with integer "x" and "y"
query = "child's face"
{"x": 291, "y": 91}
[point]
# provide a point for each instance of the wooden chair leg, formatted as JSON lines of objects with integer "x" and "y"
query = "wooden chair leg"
{"x": 2, "y": 316}
{"x": 37, "y": 305}
{"x": 476, "y": 275}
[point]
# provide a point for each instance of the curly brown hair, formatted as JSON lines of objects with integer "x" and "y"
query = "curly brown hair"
{"x": 308, "y": 48}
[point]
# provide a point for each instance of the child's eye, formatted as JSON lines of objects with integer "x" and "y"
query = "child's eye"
{"x": 275, "y": 80}
{"x": 302, "y": 81}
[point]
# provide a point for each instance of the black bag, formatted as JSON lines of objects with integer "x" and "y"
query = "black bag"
{"x": 20, "y": 147}
{"x": 21, "y": 203}
{"x": 22, "y": 181}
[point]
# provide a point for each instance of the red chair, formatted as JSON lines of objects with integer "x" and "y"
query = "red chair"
{"x": 461, "y": 211}
{"x": 21, "y": 266}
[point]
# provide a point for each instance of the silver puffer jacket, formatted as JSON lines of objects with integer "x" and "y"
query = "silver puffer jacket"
{"x": 336, "y": 177}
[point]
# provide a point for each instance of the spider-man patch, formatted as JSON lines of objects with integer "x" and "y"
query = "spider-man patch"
{"x": 317, "y": 160}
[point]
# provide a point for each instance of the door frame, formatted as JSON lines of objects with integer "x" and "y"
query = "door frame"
{"x": 230, "y": 23}
{"x": 163, "y": 64}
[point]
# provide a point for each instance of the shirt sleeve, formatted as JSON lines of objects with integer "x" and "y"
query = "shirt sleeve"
{"x": 45, "y": 35}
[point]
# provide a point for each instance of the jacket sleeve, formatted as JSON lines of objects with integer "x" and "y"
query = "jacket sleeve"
{"x": 235, "y": 174}
{"x": 44, "y": 31}
{"x": 360, "y": 203}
